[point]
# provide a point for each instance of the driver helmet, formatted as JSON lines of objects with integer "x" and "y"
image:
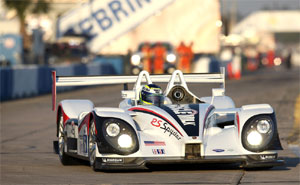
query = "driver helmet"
{"x": 151, "y": 94}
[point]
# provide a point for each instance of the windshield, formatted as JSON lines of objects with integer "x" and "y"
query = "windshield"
{"x": 154, "y": 99}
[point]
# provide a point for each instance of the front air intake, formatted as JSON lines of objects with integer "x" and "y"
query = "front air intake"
{"x": 193, "y": 151}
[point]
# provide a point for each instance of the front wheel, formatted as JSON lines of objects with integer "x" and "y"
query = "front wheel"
{"x": 64, "y": 158}
{"x": 92, "y": 146}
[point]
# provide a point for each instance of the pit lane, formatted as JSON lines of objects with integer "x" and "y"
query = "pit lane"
{"x": 28, "y": 129}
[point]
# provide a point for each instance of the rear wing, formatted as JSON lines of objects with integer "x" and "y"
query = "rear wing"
{"x": 176, "y": 77}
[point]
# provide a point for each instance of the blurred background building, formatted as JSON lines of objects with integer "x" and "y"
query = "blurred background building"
{"x": 115, "y": 37}
{"x": 83, "y": 31}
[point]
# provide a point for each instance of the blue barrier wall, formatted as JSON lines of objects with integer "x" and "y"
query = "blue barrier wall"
{"x": 115, "y": 61}
{"x": 19, "y": 82}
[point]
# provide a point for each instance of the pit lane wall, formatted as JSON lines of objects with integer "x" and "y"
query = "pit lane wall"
{"x": 28, "y": 81}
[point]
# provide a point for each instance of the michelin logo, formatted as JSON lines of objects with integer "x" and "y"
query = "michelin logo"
{"x": 112, "y": 160}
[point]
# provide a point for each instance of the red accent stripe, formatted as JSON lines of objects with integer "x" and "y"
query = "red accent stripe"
{"x": 147, "y": 110}
{"x": 65, "y": 117}
{"x": 238, "y": 122}
{"x": 53, "y": 90}
{"x": 85, "y": 121}
{"x": 96, "y": 132}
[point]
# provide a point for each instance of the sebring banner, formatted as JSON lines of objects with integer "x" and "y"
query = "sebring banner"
{"x": 105, "y": 20}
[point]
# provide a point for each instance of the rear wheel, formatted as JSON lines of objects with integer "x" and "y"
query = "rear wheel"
{"x": 64, "y": 158}
{"x": 92, "y": 146}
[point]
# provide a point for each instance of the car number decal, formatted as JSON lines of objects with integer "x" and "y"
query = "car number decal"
{"x": 185, "y": 113}
{"x": 187, "y": 116}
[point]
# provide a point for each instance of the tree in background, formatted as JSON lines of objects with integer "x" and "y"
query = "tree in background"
{"x": 22, "y": 8}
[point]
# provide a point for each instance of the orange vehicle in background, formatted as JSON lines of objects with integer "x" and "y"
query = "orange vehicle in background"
{"x": 185, "y": 57}
{"x": 159, "y": 58}
{"x": 147, "y": 54}
{"x": 159, "y": 53}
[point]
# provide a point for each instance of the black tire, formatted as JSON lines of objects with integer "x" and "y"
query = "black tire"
{"x": 92, "y": 146}
{"x": 64, "y": 158}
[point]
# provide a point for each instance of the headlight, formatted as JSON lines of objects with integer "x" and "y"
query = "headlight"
{"x": 135, "y": 60}
{"x": 254, "y": 138}
{"x": 117, "y": 137}
{"x": 171, "y": 58}
{"x": 258, "y": 133}
{"x": 112, "y": 129}
{"x": 263, "y": 126}
{"x": 125, "y": 141}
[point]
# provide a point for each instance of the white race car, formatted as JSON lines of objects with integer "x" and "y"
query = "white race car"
{"x": 182, "y": 128}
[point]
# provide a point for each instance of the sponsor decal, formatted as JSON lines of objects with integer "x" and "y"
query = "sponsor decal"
{"x": 165, "y": 127}
{"x": 155, "y": 143}
{"x": 185, "y": 113}
{"x": 170, "y": 131}
{"x": 266, "y": 157}
{"x": 158, "y": 151}
{"x": 112, "y": 160}
{"x": 155, "y": 122}
{"x": 218, "y": 150}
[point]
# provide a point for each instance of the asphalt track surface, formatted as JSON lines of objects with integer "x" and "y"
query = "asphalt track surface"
{"x": 28, "y": 129}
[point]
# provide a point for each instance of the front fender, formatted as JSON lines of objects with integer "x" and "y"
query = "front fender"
{"x": 248, "y": 111}
{"x": 107, "y": 144}
{"x": 115, "y": 113}
{"x": 72, "y": 108}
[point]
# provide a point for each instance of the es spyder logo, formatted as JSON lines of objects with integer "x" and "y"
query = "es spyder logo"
{"x": 166, "y": 127}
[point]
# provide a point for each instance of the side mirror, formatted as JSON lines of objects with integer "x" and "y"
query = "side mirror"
{"x": 128, "y": 94}
{"x": 218, "y": 92}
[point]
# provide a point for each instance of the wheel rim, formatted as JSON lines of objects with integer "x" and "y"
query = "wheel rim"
{"x": 61, "y": 141}
{"x": 92, "y": 144}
